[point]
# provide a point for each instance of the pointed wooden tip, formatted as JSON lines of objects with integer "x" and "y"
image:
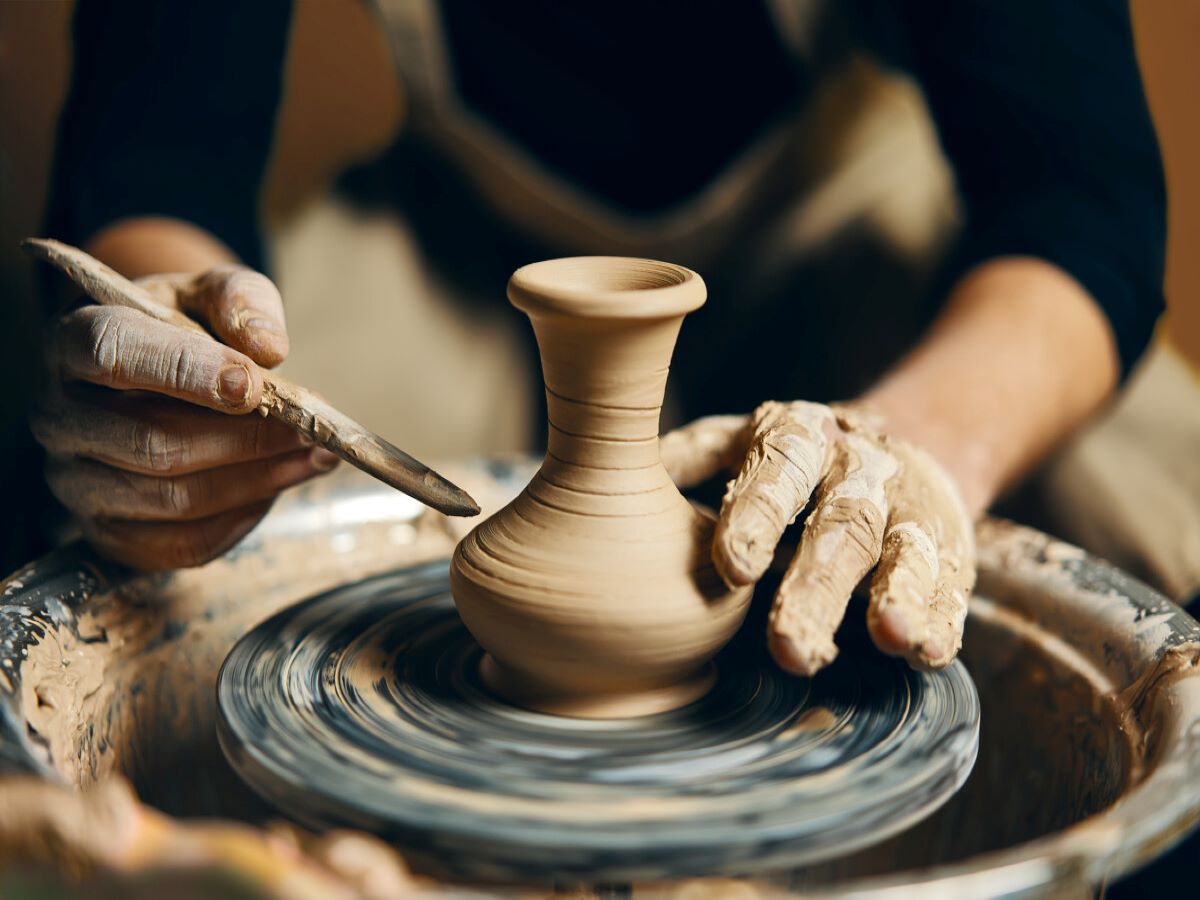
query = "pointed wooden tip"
{"x": 41, "y": 248}
{"x": 456, "y": 501}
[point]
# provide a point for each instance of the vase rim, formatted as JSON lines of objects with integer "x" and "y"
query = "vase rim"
{"x": 606, "y": 287}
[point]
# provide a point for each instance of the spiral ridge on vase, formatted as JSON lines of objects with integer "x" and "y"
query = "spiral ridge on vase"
{"x": 594, "y": 591}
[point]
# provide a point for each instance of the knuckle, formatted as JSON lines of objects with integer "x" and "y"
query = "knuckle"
{"x": 179, "y": 365}
{"x": 102, "y": 338}
{"x": 155, "y": 449}
{"x": 177, "y": 496}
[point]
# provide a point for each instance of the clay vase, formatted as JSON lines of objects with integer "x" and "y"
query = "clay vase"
{"x": 593, "y": 592}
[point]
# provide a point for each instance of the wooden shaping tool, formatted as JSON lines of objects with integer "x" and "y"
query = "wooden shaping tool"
{"x": 289, "y": 403}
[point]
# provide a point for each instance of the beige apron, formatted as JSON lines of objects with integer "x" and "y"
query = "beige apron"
{"x": 859, "y": 163}
{"x": 858, "y": 167}
{"x": 863, "y": 142}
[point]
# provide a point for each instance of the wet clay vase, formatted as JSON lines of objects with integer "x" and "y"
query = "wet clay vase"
{"x": 593, "y": 592}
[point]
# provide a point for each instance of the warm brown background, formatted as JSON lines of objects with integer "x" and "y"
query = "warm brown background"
{"x": 1169, "y": 45}
{"x": 343, "y": 103}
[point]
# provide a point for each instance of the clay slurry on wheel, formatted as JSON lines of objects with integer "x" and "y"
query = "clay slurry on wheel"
{"x": 363, "y": 707}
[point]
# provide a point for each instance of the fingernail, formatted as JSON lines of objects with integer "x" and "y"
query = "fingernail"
{"x": 799, "y": 661}
{"x": 937, "y": 653}
{"x": 263, "y": 325}
{"x": 322, "y": 459}
{"x": 233, "y": 385}
{"x": 893, "y": 632}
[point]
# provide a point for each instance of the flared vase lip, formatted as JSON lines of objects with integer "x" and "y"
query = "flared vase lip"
{"x": 606, "y": 287}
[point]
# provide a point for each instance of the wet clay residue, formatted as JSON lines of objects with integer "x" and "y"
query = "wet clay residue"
{"x": 1080, "y": 690}
{"x": 1137, "y": 704}
{"x": 874, "y": 503}
{"x": 1083, "y": 689}
{"x": 127, "y": 687}
{"x": 122, "y": 847}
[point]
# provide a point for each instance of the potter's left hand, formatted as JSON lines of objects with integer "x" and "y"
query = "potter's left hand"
{"x": 876, "y": 502}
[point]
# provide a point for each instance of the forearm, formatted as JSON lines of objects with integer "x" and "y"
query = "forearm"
{"x": 1020, "y": 356}
{"x": 148, "y": 245}
{"x": 1031, "y": 342}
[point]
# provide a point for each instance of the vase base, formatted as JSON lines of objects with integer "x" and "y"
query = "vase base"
{"x": 517, "y": 689}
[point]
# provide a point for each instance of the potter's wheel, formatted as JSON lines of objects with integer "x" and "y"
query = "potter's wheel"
{"x": 363, "y": 707}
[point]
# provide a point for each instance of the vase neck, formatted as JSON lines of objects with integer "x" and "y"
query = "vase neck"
{"x": 605, "y": 381}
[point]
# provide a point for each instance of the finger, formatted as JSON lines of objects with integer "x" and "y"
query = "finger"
{"x": 956, "y": 572}
{"x": 154, "y": 435}
{"x": 841, "y": 543}
{"x": 243, "y": 308}
{"x": 698, "y": 451}
{"x": 903, "y": 585}
{"x": 153, "y": 545}
{"x": 94, "y": 490}
{"x": 918, "y": 603}
{"x": 780, "y": 472}
{"x": 122, "y": 348}
{"x": 947, "y": 618}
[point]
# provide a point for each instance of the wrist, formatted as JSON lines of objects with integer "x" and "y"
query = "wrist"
{"x": 1019, "y": 357}
{"x": 151, "y": 245}
{"x": 969, "y": 463}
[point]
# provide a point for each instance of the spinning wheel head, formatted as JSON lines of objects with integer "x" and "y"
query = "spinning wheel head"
{"x": 363, "y": 707}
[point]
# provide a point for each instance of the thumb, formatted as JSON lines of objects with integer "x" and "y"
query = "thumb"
{"x": 698, "y": 451}
{"x": 243, "y": 308}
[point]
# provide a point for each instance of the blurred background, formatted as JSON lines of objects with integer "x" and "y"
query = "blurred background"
{"x": 369, "y": 328}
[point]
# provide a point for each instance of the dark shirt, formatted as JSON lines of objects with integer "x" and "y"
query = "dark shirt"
{"x": 1038, "y": 103}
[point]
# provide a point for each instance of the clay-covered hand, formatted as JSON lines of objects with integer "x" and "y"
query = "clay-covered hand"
{"x": 874, "y": 501}
{"x": 105, "y": 842}
{"x": 146, "y": 426}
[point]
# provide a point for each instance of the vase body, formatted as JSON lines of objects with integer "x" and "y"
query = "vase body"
{"x": 593, "y": 592}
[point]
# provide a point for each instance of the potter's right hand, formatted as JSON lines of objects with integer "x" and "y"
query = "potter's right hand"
{"x": 147, "y": 426}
